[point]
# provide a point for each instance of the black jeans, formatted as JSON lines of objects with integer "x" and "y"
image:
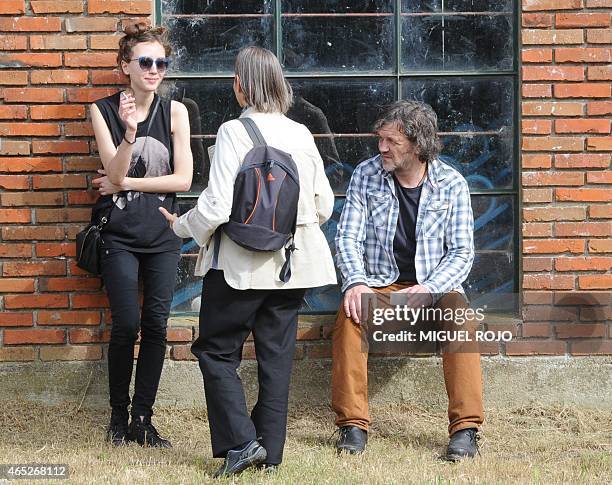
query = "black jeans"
{"x": 120, "y": 270}
{"x": 227, "y": 316}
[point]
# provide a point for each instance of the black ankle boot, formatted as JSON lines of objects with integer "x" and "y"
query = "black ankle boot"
{"x": 352, "y": 439}
{"x": 116, "y": 433}
{"x": 142, "y": 431}
{"x": 462, "y": 444}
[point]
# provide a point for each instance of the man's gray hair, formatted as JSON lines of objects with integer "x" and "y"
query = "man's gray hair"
{"x": 262, "y": 81}
{"x": 418, "y": 122}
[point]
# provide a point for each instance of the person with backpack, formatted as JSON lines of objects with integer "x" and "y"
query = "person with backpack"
{"x": 143, "y": 141}
{"x": 257, "y": 224}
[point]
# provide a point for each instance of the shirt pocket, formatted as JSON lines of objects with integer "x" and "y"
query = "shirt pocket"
{"x": 434, "y": 220}
{"x": 379, "y": 204}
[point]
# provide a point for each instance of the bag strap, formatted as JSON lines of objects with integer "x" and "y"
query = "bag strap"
{"x": 254, "y": 133}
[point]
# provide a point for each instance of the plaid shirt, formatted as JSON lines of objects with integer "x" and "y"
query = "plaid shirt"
{"x": 444, "y": 229}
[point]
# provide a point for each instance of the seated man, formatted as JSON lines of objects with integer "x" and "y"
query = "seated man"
{"x": 407, "y": 226}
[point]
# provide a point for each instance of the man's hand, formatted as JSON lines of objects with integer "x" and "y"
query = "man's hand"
{"x": 104, "y": 185}
{"x": 352, "y": 301}
{"x": 169, "y": 217}
{"x": 418, "y": 296}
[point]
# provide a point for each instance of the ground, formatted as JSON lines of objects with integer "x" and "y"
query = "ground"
{"x": 536, "y": 444}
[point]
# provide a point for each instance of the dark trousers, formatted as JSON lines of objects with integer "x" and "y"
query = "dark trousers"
{"x": 227, "y": 316}
{"x": 120, "y": 270}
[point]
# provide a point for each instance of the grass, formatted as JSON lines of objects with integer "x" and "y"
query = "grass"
{"x": 535, "y": 444}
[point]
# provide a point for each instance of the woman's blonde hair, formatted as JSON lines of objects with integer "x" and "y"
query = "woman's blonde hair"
{"x": 262, "y": 81}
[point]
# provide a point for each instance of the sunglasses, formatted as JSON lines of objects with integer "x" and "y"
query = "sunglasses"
{"x": 146, "y": 63}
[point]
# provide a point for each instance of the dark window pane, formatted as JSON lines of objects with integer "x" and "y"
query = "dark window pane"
{"x": 210, "y": 44}
{"x": 457, "y": 42}
{"x": 338, "y": 6}
{"x": 458, "y": 5}
{"x": 217, "y": 6}
{"x": 338, "y": 43}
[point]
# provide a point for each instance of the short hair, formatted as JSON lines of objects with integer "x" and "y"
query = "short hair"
{"x": 418, "y": 122}
{"x": 138, "y": 33}
{"x": 262, "y": 81}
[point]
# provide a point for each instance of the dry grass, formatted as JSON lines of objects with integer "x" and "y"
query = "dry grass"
{"x": 528, "y": 445}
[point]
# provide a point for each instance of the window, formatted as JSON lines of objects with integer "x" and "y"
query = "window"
{"x": 345, "y": 59}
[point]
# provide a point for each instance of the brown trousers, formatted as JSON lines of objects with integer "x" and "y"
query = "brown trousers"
{"x": 462, "y": 374}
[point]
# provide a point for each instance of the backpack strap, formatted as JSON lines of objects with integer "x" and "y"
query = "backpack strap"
{"x": 254, "y": 133}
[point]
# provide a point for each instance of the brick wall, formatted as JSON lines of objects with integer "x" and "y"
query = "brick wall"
{"x": 58, "y": 56}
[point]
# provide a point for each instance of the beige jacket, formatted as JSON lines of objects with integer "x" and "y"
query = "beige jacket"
{"x": 311, "y": 264}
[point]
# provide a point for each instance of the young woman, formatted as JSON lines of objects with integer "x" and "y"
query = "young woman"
{"x": 242, "y": 292}
{"x": 143, "y": 142}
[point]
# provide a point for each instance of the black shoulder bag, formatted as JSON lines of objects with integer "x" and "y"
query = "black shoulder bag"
{"x": 89, "y": 240}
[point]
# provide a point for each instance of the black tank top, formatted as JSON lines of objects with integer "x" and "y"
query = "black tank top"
{"x": 135, "y": 221}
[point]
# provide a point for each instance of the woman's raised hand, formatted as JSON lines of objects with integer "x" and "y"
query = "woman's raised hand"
{"x": 127, "y": 113}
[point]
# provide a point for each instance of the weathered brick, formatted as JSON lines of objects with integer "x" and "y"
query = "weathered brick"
{"x": 552, "y": 178}
{"x": 81, "y": 128}
{"x": 34, "y": 268}
{"x": 58, "y": 42}
{"x": 535, "y": 347}
{"x": 584, "y": 195}
{"x": 600, "y": 73}
{"x": 31, "y": 59}
{"x": 546, "y": 246}
{"x": 90, "y": 59}
{"x": 64, "y": 76}
{"x": 67, "y": 317}
{"x": 543, "y": 108}
{"x": 12, "y": 7}
{"x": 591, "y": 263}
{"x": 536, "y": 5}
{"x": 599, "y": 144}
{"x": 582, "y": 90}
{"x": 591, "y": 347}
{"x": 536, "y": 90}
{"x": 129, "y": 7}
{"x": 34, "y": 95}
{"x": 553, "y": 143}
{"x": 530, "y": 160}
{"x": 548, "y": 282}
{"x": 16, "y": 285}
{"x": 537, "y": 264}
{"x": 91, "y": 24}
{"x": 599, "y": 178}
{"x": 60, "y": 147}
{"x": 29, "y": 129}
{"x": 8, "y": 112}
{"x": 69, "y": 284}
{"x": 582, "y": 54}
{"x": 549, "y": 37}
{"x": 582, "y": 160}
{"x": 537, "y": 196}
{"x": 590, "y": 125}
{"x": 582, "y": 19}
{"x": 13, "y": 78}
{"x": 71, "y": 352}
{"x": 537, "y": 229}
{"x": 59, "y": 181}
{"x": 546, "y": 214}
{"x": 537, "y": 20}
{"x": 57, "y": 112}
{"x": 8, "y": 147}
{"x": 16, "y": 319}
{"x": 90, "y": 300}
{"x": 17, "y": 354}
{"x": 31, "y": 24}
{"x": 536, "y": 127}
{"x": 57, "y": 6}
{"x": 564, "y": 229}
{"x": 88, "y": 95}
{"x": 536, "y": 55}
{"x": 14, "y": 199}
{"x": 600, "y": 211}
{"x": 53, "y": 250}
{"x": 595, "y": 282}
{"x": 34, "y": 336}
{"x": 14, "y": 182}
{"x": 88, "y": 335}
{"x": 600, "y": 245}
{"x": 30, "y": 164}
{"x": 580, "y": 330}
{"x": 553, "y": 73}
{"x": 599, "y": 36}
{"x": 108, "y": 77}
{"x": 50, "y": 300}
{"x": 12, "y": 216}
{"x": 13, "y": 42}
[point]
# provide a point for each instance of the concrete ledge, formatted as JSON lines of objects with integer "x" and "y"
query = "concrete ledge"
{"x": 509, "y": 382}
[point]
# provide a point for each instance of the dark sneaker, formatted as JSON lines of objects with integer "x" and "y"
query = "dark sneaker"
{"x": 144, "y": 433}
{"x": 462, "y": 444}
{"x": 116, "y": 433}
{"x": 238, "y": 460}
{"x": 352, "y": 439}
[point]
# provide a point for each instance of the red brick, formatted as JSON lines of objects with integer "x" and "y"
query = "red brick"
{"x": 15, "y": 250}
{"x": 595, "y": 282}
{"x": 536, "y": 90}
{"x": 580, "y": 330}
{"x": 599, "y": 177}
{"x": 590, "y": 125}
{"x": 540, "y": 108}
{"x": 32, "y": 59}
{"x": 71, "y": 352}
{"x": 90, "y": 300}
{"x": 536, "y": 55}
{"x": 62, "y": 215}
{"x": 537, "y": 229}
{"x": 88, "y": 95}
{"x": 13, "y": 78}
{"x": 600, "y": 211}
{"x": 52, "y": 250}
{"x": 67, "y": 318}
{"x": 64, "y": 76}
{"x": 599, "y": 36}
{"x": 34, "y": 268}
{"x": 599, "y": 144}
{"x": 535, "y": 196}
{"x": 91, "y": 24}
{"x": 537, "y": 20}
{"x": 129, "y": 7}
{"x": 34, "y": 336}
{"x": 39, "y": 233}
{"x": 535, "y": 329}
{"x": 57, "y": 6}
{"x": 582, "y": 90}
{"x": 88, "y": 335}
{"x": 564, "y": 229}
{"x": 16, "y": 319}
{"x": 13, "y": 112}
{"x": 8, "y": 147}
{"x": 104, "y": 42}
{"x": 584, "y": 195}
{"x": 14, "y": 182}
{"x": 13, "y": 42}
{"x": 600, "y": 73}
{"x": 553, "y": 143}
{"x": 178, "y": 334}
{"x": 58, "y": 42}
{"x": 600, "y": 246}
{"x": 83, "y": 128}
{"x": 108, "y": 77}
{"x": 537, "y": 264}
{"x": 583, "y": 299}
{"x": 69, "y": 284}
{"x": 90, "y": 59}
{"x": 530, "y": 160}
{"x": 552, "y": 178}
{"x": 12, "y": 6}
{"x": 547, "y": 246}
{"x": 549, "y": 37}
{"x": 31, "y": 198}
{"x": 60, "y": 147}
{"x": 182, "y": 352}
{"x": 318, "y": 351}
{"x": 535, "y": 5}
{"x": 82, "y": 197}
{"x": 590, "y": 263}
{"x": 536, "y": 127}
{"x": 597, "y": 313}
{"x": 598, "y": 4}
{"x": 541, "y": 313}
{"x": 31, "y": 24}
{"x": 55, "y": 112}
{"x": 17, "y": 354}
{"x": 29, "y": 129}
{"x": 535, "y": 347}
{"x": 30, "y": 164}
{"x": 11, "y": 216}
{"x": 82, "y": 164}
{"x": 582, "y": 20}
{"x": 545, "y": 214}
{"x": 16, "y": 285}
{"x": 553, "y": 73}
{"x": 581, "y": 160}
{"x": 59, "y": 181}
{"x": 591, "y": 347}
{"x": 51, "y": 300}
{"x": 582, "y": 54}
{"x": 34, "y": 95}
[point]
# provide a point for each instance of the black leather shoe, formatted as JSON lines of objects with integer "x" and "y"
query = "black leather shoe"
{"x": 144, "y": 433}
{"x": 462, "y": 444}
{"x": 352, "y": 439}
{"x": 116, "y": 433}
{"x": 237, "y": 461}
